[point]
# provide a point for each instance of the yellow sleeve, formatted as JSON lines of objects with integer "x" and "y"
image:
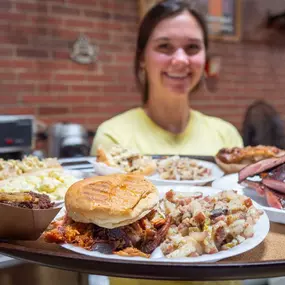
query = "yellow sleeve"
{"x": 232, "y": 137}
{"x": 102, "y": 138}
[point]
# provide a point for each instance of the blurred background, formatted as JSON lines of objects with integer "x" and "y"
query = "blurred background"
{"x": 68, "y": 65}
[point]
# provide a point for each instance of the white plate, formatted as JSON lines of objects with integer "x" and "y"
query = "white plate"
{"x": 216, "y": 173}
{"x": 261, "y": 230}
{"x": 231, "y": 182}
{"x": 103, "y": 169}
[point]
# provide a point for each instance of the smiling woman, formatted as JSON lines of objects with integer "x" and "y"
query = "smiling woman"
{"x": 170, "y": 60}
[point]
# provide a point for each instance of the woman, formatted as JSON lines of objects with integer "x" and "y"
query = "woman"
{"x": 170, "y": 60}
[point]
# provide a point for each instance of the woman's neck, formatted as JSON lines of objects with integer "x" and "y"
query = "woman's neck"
{"x": 169, "y": 115}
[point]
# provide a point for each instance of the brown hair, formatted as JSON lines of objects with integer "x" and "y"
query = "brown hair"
{"x": 159, "y": 12}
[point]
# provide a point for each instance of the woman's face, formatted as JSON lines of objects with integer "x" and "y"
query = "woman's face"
{"x": 175, "y": 56}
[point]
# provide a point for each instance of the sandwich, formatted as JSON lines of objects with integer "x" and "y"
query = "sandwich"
{"x": 232, "y": 160}
{"x": 119, "y": 210}
{"x": 127, "y": 160}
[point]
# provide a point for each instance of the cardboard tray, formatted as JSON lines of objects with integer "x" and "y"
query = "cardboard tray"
{"x": 24, "y": 224}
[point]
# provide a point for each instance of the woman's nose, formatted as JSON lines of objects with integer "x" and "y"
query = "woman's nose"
{"x": 180, "y": 57}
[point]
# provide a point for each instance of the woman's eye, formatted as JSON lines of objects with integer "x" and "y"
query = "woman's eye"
{"x": 192, "y": 49}
{"x": 164, "y": 47}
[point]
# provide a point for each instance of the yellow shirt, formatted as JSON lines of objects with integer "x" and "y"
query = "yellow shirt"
{"x": 204, "y": 135}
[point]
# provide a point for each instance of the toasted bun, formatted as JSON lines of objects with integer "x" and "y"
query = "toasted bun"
{"x": 111, "y": 201}
{"x": 230, "y": 167}
{"x": 147, "y": 167}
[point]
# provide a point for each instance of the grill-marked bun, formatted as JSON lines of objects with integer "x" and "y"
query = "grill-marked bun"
{"x": 111, "y": 201}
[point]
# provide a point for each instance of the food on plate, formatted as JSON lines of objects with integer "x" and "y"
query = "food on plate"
{"x": 207, "y": 225}
{"x": 11, "y": 167}
{"x": 119, "y": 210}
{"x": 271, "y": 185}
{"x": 123, "y": 213}
{"x": 29, "y": 200}
{"x": 181, "y": 168}
{"x": 232, "y": 160}
{"x": 127, "y": 160}
{"x": 52, "y": 182}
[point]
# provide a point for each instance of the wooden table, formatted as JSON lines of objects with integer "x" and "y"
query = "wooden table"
{"x": 265, "y": 261}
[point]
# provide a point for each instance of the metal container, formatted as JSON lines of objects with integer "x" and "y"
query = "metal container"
{"x": 67, "y": 140}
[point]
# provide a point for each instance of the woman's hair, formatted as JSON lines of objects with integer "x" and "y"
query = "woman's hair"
{"x": 162, "y": 10}
{"x": 263, "y": 125}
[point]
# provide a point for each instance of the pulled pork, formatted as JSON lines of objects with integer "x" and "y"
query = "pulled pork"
{"x": 137, "y": 239}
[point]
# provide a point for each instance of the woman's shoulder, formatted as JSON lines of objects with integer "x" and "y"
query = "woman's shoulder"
{"x": 227, "y": 132}
{"x": 123, "y": 120}
{"x": 213, "y": 122}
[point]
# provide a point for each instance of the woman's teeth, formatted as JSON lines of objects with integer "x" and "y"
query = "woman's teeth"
{"x": 177, "y": 76}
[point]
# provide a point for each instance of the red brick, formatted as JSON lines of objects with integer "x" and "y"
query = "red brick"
{"x": 92, "y": 67}
{"x": 13, "y": 17}
{"x": 97, "y": 36}
{"x": 52, "y": 87}
{"x": 85, "y": 88}
{"x": 63, "y": 10}
{"x": 70, "y": 77}
{"x": 32, "y": 99}
{"x": 35, "y": 76}
{"x": 17, "y": 110}
{"x": 73, "y": 99}
{"x": 7, "y": 76}
{"x": 78, "y": 24}
{"x": 112, "y": 98}
{"x": 31, "y": 7}
{"x": 100, "y": 78}
{"x": 8, "y": 99}
{"x": 85, "y": 109}
{"x": 115, "y": 89}
{"x": 60, "y": 54}
{"x": 32, "y": 53}
{"x": 51, "y": 65}
{"x": 49, "y": 21}
{"x": 5, "y": 5}
{"x": 128, "y": 59}
{"x": 108, "y": 26}
{"x": 97, "y": 14}
{"x": 14, "y": 39}
{"x": 92, "y": 3}
{"x": 17, "y": 87}
{"x": 64, "y": 33}
{"x": 52, "y": 120}
{"x": 53, "y": 110}
{"x": 16, "y": 63}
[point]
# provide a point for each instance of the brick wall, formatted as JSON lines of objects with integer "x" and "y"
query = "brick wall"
{"x": 37, "y": 77}
{"x": 252, "y": 69}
